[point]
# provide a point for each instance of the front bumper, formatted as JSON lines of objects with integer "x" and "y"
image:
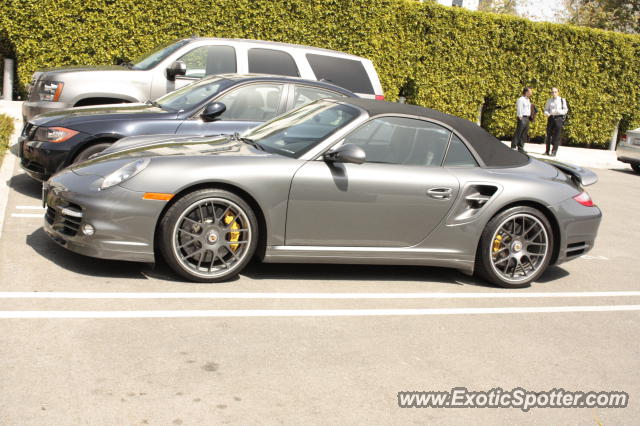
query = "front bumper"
{"x": 42, "y": 159}
{"x": 578, "y": 229}
{"x": 628, "y": 153}
{"x": 32, "y": 108}
{"x": 124, "y": 223}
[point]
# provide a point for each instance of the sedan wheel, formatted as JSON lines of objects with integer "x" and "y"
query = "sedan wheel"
{"x": 516, "y": 247}
{"x": 88, "y": 152}
{"x": 209, "y": 235}
{"x": 636, "y": 167}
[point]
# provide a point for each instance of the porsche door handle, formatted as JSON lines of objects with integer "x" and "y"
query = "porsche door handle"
{"x": 440, "y": 193}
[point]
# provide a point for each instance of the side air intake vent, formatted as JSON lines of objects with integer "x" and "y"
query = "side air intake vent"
{"x": 474, "y": 198}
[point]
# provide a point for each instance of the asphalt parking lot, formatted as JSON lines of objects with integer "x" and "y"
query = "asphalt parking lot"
{"x": 313, "y": 344}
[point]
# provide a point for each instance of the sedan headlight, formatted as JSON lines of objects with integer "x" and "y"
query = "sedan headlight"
{"x": 50, "y": 90}
{"x": 54, "y": 134}
{"x": 124, "y": 173}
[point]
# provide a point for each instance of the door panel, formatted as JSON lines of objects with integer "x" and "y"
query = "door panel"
{"x": 366, "y": 205}
{"x": 203, "y": 128}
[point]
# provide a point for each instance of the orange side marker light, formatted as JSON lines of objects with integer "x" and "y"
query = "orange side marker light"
{"x": 157, "y": 196}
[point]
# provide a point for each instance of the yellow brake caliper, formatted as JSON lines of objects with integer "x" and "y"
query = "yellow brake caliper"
{"x": 233, "y": 236}
{"x": 497, "y": 243}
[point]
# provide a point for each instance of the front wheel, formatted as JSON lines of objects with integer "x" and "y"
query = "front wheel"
{"x": 636, "y": 167}
{"x": 515, "y": 247}
{"x": 88, "y": 152}
{"x": 208, "y": 235}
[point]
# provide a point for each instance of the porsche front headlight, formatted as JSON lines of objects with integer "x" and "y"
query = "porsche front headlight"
{"x": 124, "y": 173}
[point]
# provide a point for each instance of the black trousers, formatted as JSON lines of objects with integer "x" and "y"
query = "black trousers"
{"x": 554, "y": 132}
{"x": 522, "y": 132}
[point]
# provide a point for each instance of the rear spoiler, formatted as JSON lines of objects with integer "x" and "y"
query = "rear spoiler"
{"x": 583, "y": 176}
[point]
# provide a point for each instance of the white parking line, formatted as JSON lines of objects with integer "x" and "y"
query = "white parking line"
{"x": 244, "y": 313}
{"x": 252, "y": 295}
{"x": 27, "y": 214}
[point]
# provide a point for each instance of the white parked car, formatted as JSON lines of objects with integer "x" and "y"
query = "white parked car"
{"x": 173, "y": 66}
{"x": 629, "y": 149}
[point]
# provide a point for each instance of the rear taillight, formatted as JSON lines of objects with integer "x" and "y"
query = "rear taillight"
{"x": 623, "y": 138}
{"x": 584, "y": 199}
{"x": 379, "y": 97}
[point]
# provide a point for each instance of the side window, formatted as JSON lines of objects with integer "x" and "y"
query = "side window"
{"x": 208, "y": 60}
{"x": 347, "y": 73}
{"x": 459, "y": 155}
{"x": 303, "y": 95}
{"x": 254, "y": 102}
{"x": 269, "y": 61}
{"x": 399, "y": 140}
{"x": 221, "y": 60}
{"x": 196, "y": 62}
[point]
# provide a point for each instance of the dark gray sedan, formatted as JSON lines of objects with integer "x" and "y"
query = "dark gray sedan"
{"x": 336, "y": 181}
{"x": 54, "y": 140}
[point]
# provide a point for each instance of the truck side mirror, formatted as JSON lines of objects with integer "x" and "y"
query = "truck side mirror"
{"x": 175, "y": 69}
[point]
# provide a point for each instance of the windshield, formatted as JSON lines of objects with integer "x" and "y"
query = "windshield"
{"x": 295, "y": 133}
{"x": 192, "y": 95}
{"x": 150, "y": 60}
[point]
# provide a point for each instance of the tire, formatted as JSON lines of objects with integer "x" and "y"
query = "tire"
{"x": 208, "y": 235}
{"x": 89, "y": 151}
{"x": 636, "y": 167}
{"x": 515, "y": 247}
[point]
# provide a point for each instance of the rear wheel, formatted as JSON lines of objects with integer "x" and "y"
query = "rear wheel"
{"x": 515, "y": 247}
{"x": 208, "y": 235}
{"x": 89, "y": 151}
{"x": 635, "y": 167}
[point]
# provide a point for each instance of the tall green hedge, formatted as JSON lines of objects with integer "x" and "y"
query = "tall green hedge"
{"x": 446, "y": 58}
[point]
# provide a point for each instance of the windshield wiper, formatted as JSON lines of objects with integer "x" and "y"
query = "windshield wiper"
{"x": 236, "y": 137}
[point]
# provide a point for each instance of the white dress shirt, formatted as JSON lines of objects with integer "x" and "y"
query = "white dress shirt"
{"x": 523, "y": 107}
{"x": 556, "y": 106}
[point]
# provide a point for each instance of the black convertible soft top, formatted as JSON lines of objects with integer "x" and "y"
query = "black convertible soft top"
{"x": 492, "y": 152}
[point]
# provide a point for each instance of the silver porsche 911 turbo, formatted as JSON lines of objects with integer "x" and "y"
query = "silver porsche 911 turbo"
{"x": 336, "y": 181}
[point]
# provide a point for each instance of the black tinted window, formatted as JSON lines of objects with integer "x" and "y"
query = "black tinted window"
{"x": 459, "y": 155}
{"x": 221, "y": 60}
{"x": 347, "y": 73}
{"x": 398, "y": 140}
{"x": 269, "y": 61}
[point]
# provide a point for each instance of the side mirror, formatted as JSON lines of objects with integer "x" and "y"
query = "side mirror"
{"x": 175, "y": 69}
{"x": 348, "y": 153}
{"x": 213, "y": 110}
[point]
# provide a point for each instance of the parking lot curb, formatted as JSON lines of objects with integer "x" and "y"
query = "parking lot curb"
{"x": 6, "y": 172}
